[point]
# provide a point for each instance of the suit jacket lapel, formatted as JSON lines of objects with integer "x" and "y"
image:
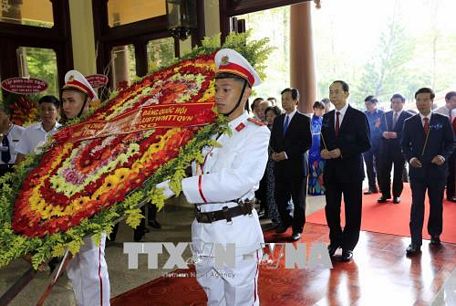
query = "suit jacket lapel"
{"x": 389, "y": 121}
{"x": 420, "y": 126}
{"x": 346, "y": 118}
{"x": 331, "y": 120}
{"x": 282, "y": 121}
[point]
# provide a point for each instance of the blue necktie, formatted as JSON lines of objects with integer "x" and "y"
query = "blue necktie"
{"x": 285, "y": 124}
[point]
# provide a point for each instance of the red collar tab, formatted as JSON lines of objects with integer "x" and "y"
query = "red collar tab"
{"x": 240, "y": 127}
{"x": 256, "y": 121}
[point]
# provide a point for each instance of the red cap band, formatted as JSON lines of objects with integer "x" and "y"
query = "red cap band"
{"x": 237, "y": 70}
{"x": 80, "y": 86}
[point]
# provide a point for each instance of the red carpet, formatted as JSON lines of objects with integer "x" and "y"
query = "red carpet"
{"x": 379, "y": 262}
{"x": 180, "y": 287}
{"x": 388, "y": 218}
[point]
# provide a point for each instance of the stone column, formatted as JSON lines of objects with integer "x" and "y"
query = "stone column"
{"x": 120, "y": 67}
{"x": 83, "y": 36}
{"x": 302, "y": 59}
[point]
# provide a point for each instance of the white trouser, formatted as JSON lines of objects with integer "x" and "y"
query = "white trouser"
{"x": 88, "y": 273}
{"x": 231, "y": 286}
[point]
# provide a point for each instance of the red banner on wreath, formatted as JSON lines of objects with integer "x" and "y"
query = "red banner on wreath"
{"x": 145, "y": 118}
{"x": 97, "y": 80}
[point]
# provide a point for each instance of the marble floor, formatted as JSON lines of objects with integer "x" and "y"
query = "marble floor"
{"x": 425, "y": 277}
{"x": 175, "y": 218}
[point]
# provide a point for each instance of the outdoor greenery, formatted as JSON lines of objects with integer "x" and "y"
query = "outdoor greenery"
{"x": 378, "y": 47}
{"x": 160, "y": 52}
{"x": 42, "y": 64}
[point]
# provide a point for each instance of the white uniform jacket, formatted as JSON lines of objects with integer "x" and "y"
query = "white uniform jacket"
{"x": 232, "y": 171}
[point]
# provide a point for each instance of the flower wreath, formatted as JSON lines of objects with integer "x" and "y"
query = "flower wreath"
{"x": 100, "y": 169}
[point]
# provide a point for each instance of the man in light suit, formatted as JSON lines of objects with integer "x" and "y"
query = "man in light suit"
{"x": 344, "y": 137}
{"x": 290, "y": 139}
{"x": 427, "y": 143}
{"x": 390, "y": 150}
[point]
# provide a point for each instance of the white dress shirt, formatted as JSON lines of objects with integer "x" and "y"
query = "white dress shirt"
{"x": 34, "y": 137}
{"x": 14, "y": 135}
{"x": 342, "y": 112}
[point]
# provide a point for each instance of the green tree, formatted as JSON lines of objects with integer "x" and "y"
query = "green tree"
{"x": 387, "y": 71}
{"x": 42, "y": 64}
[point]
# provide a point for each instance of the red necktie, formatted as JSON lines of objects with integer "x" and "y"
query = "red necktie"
{"x": 337, "y": 123}
{"x": 426, "y": 126}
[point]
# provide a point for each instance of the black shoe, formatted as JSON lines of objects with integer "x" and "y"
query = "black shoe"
{"x": 413, "y": 250}
{"x": 282, "y": 229}
{"x": 263, "y": 217}
{"x": 396, "y": 200}
{"x": 371, "y": 191}
{"x": 296, "y": 236}
{"x": 435, "y": 241}
{"x": 332, "y": 248}
{"x": 53, "y": 263}
{"x": 452, "y": 199}
{"x": 383, "y": 199}
{"x": 154, "y": 224}
{"x": 347, "y": 255}
{"x": 273, "y": 226}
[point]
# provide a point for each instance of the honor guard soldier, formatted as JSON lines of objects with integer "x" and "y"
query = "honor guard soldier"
{"x": 87, "y": 270}
{"x": 223, "y": 187}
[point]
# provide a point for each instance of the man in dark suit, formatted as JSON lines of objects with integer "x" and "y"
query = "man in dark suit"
{"x": 390, "y": 150}
{"x": 427, "y": 142}
{"x": 371, "y": 156}
{"x": 290, "y": 139}
{"x": 345, "y": 136}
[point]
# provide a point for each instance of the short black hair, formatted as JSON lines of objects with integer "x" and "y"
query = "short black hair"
{"x": 294, "y": 93}
{"x": 275, "y": 109}
{"x": 255, "y": 102}
{"x": 368, "y": 98}
{"x": 425, "y": 90}
{"x": 344, "y": 85}
{"x": 397, "y": 96}
{"x": 318, "y": 104}
{"x": 450, "y": 95}
{"x": 49, "y": 99}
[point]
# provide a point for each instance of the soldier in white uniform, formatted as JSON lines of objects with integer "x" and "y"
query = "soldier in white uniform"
{"x": 87, "y": 270}
{"x": 223, "y": 187}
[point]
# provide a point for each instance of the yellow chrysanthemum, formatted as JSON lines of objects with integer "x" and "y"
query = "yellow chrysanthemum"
{"x": 122, "y": 173}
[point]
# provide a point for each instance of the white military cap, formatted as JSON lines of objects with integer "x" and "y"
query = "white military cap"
{"x": 75, "y": 79}
{"x": 230, "y": 61}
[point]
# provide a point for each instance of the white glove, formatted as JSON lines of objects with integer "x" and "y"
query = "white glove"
{"x": 166, "y": 190}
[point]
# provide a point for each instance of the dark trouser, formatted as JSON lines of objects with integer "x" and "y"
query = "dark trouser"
{"x": 370, "y": 160}
{"x": 5, "y": 169}
{"x": 387, "y": 159}
{"x": 260, "y": 194}
{"x": 352, "y": 191}
{"x": 287, "y": 187}
{"x": 151, "y": 216}
{"x": 450, "y": 186}
{"x": 435, "y": 189}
